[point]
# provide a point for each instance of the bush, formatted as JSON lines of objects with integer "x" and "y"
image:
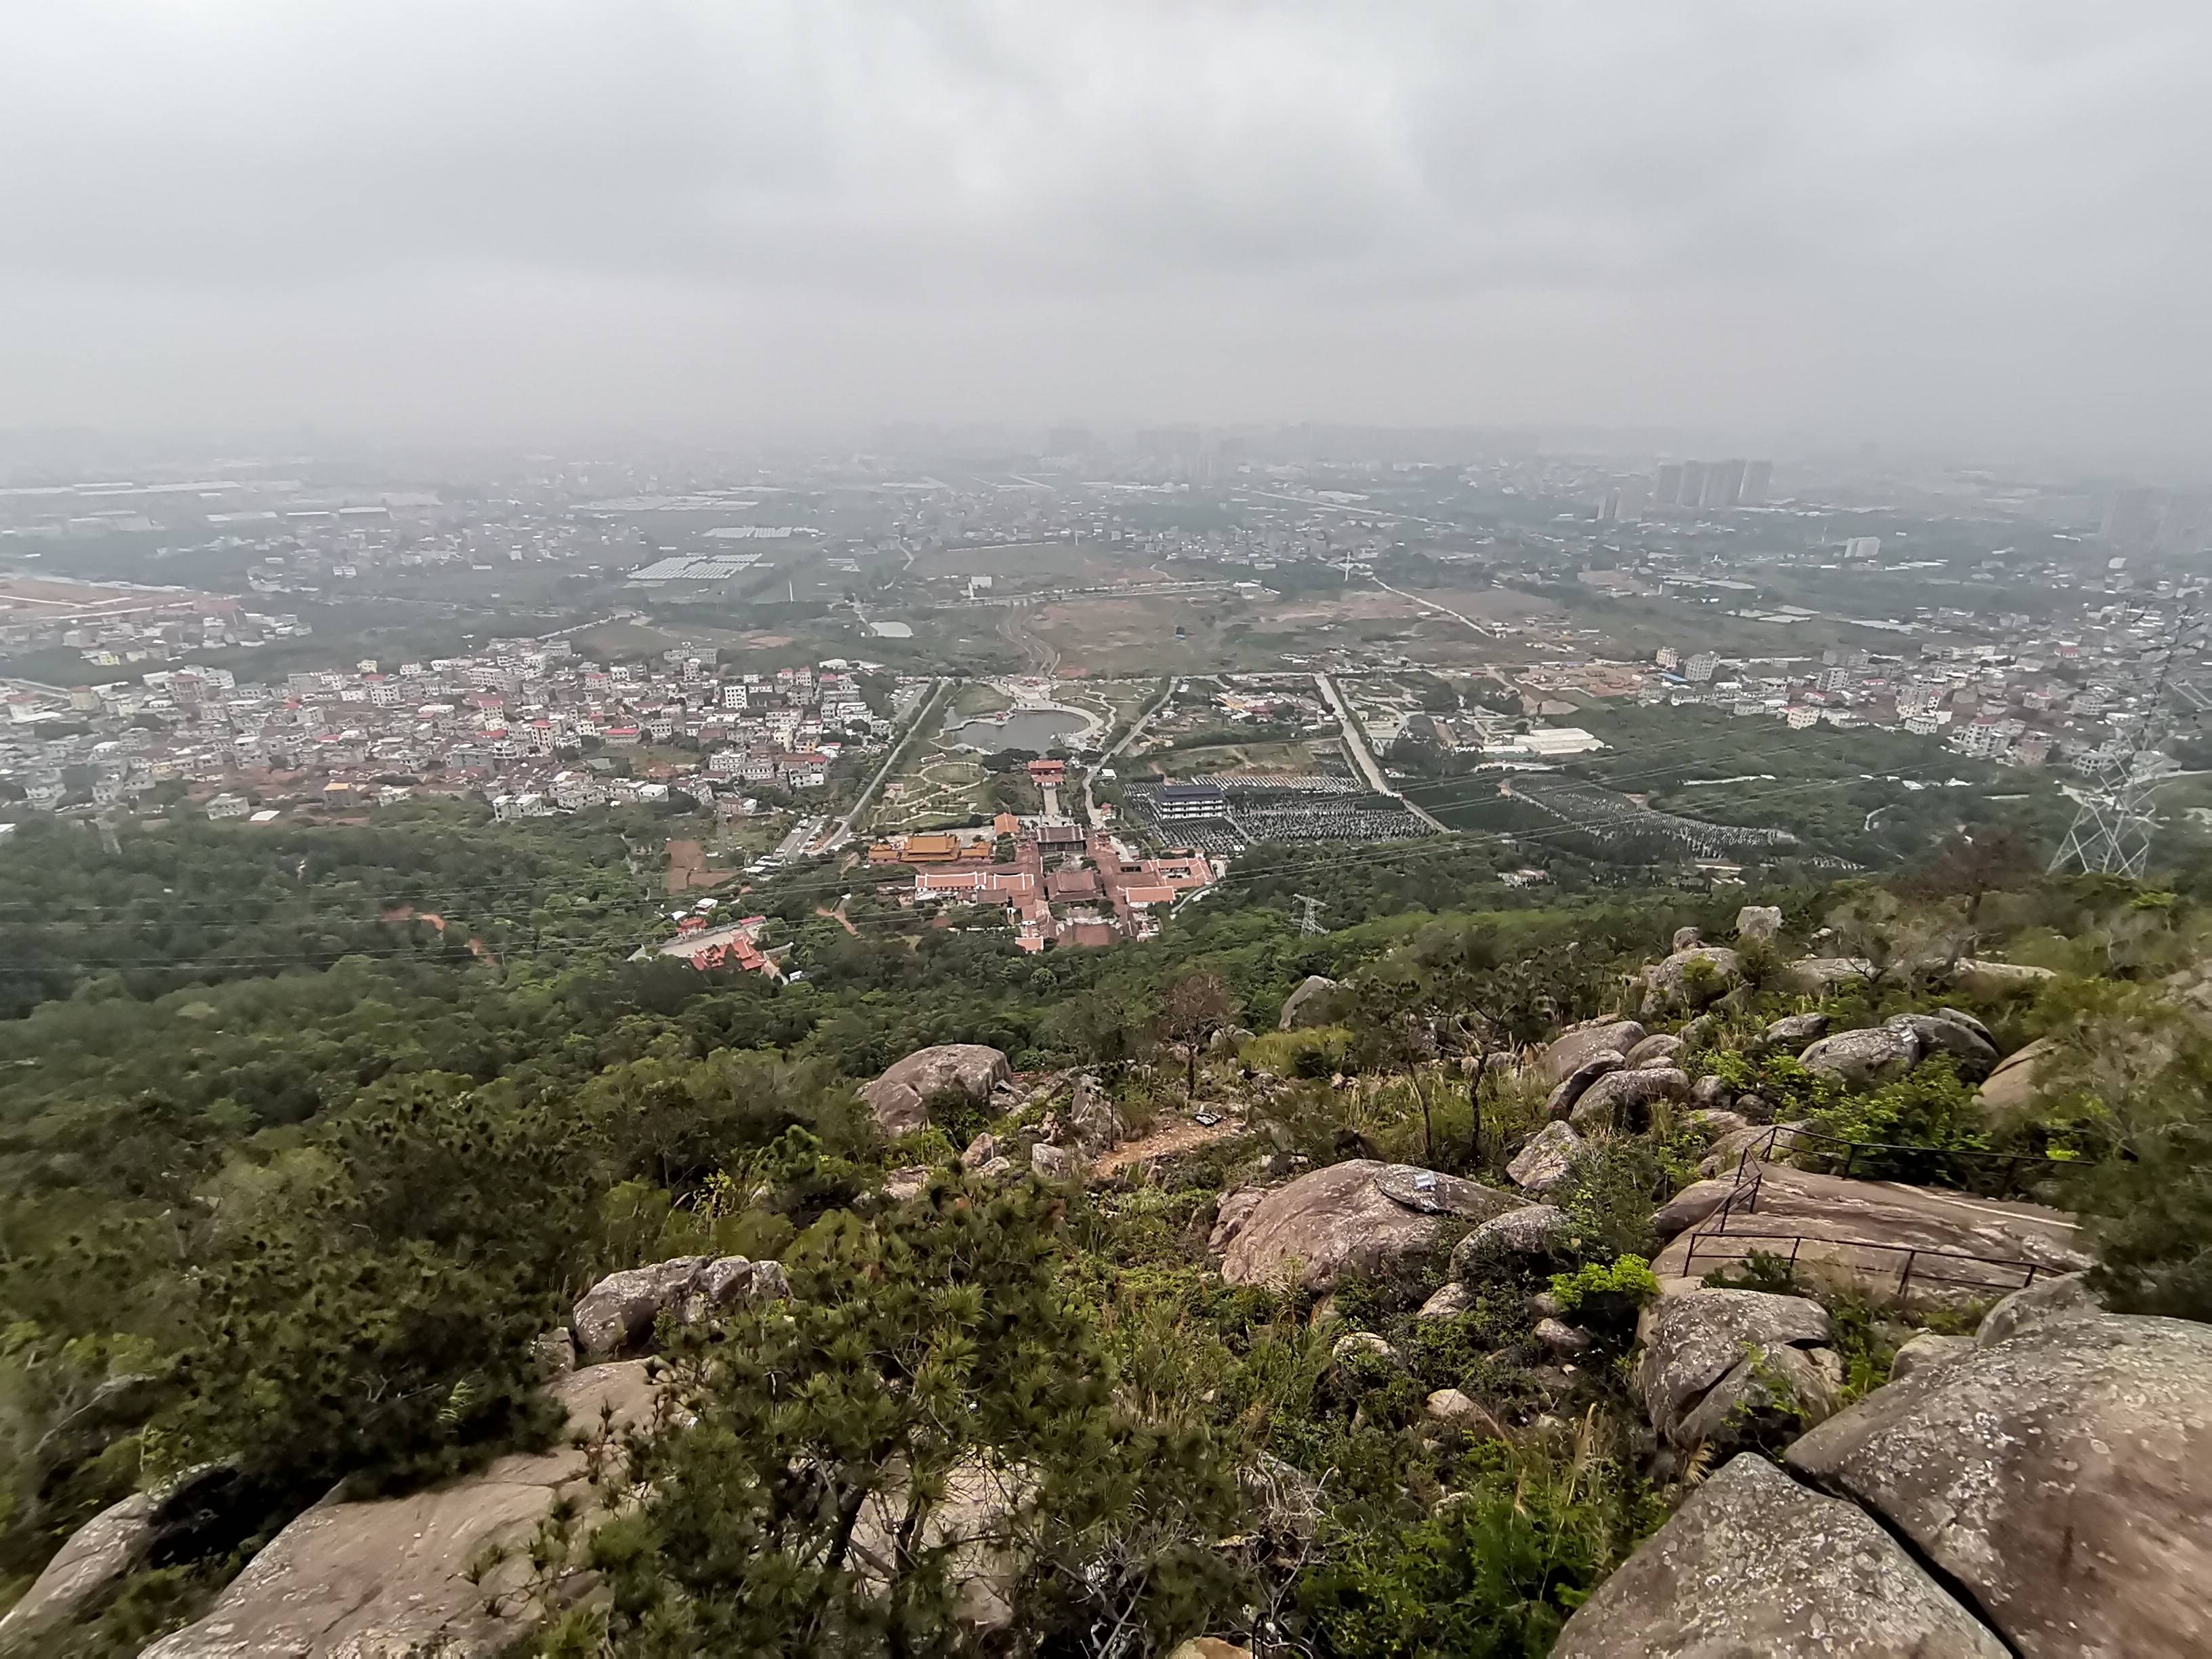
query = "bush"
{"x": 1606, "y": 1297}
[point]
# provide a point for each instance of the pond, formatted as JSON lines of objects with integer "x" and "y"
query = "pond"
{"x": 1035, "y": 729}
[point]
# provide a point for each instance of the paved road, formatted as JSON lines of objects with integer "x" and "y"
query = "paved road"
{"x": 844, "y": 830}
{"x": 1136, "y": 729}
{"x": 1362, "y": 755}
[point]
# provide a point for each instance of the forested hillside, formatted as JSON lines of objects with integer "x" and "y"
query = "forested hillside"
{"x": 302, "y": 1188}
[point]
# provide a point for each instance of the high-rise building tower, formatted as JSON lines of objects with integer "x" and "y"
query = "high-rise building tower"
{"x": 1723, "y": 484}
{"x": 1757, "y": 479}
{"x": 1667, "y": 488}
{"x": 1701, "y": 666}
{"x": 1694, "y": 484}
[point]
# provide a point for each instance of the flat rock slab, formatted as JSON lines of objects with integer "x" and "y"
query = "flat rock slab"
{"x": 382, "y": 1579}
{"x": 2061, "y": 1475}
{"x": 1840, "y": 1222}
{"x": 1753, "y": 1566}
{"x": 1359, "y": 1216}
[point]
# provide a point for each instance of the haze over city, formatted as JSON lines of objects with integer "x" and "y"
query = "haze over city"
{"x": 1156, "y": 830}
{"x": 1971, "y": 225}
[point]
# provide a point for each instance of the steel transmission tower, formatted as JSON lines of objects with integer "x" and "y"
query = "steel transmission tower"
{"x": 1307, "y": 919}
{"x": 2112, "y": 833}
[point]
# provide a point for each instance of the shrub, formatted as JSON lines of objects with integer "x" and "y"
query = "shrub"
{"x": 1599, "y": 1284}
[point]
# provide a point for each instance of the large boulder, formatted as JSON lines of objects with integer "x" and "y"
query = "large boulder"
{"x": 1758, "y": 923}
{"x": 1863, "y": 1234}
{"x": 1576, "y": 1046}
{"x": 1687, "y": 979}
{"x": 1660, "y": 1048}
{"x": 618, "y": 1314}
{"x": 1816, "y": 976}
{"x": 1859, "y": 1060}
{"x": 1690, "y": 1205}
{"x": 1547, "y": 1160}
{"x": 395, "y": 1576}
{"x": 2063, "y": 1295}
{"x": 2060, "y": 1475}
{"x": 1982, "y": 977}
{"x": 1570, "y": 1087}
{"x": 900, "y": 1097}
{"x": 1309, "y": 1004}
{"x": 1624, "y": 1100}
{"x": 979, "y": 1524}
{"x": 2012, "y": 1088}
{"x": 1090, "y": 1126}
{"x": 1539, "y": 1236}
{"x": 1794, "y": 1031}
{"x": 1360, "y": 1216}
{"x": 1940, "y": 1034}
{"x": 1754, "y": 1566}
{"x": 204, "y": 1510}
{"x": 1230, "y": 1214}
{"x": 1710, "y": 1355}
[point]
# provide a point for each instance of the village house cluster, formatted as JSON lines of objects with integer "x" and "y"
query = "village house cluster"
{"x": 2023, "y": 701}
{"x": 527, "y": 724}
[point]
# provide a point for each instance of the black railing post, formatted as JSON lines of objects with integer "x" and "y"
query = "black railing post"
{"x": 1904, "y": 1279}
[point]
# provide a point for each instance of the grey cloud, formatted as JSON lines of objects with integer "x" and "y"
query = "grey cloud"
{"x": 1994, "y": 213}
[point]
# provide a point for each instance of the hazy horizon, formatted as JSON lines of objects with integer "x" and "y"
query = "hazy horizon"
{"x": 1977, "y": 225}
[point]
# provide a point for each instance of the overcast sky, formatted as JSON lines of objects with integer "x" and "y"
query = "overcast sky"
{"x": 1972, "y": 222}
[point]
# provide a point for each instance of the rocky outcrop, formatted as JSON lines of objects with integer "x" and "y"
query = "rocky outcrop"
{"x": 1689, "y": 979}
{"x": 1054, "y": 1162}
{"x": 1572, "y": 1086}
{"x": 192, "y": 1513}
{"x": 1859, "y": 1060}
{"x": 1547, "y": 1160}
{"x": 1090, "y": 1125}
{"x": 1230, "y": 1214}
{"x": 1537, "y": 1236}
{"x": 2012, "y": 1088}
{"x": 1753, "y": 1566}
{"x": 1794, "y": 1031}
{"x": 1858, "y": 1232}
{"x": 1718, "y": 1364}
{"x": 1624, "y": 1100}
{"x": 1926, "y": 1350}
{"x": 1963, "y": 1038}
{"x": 391, "y": 1577}
{"x": 1983, "y": 978}
{"x": 1660, "y": 1048}
{"x": 976, "y": 1524}
{"x": 1816, "y": 976}
{"x": 1357, "y": 1216}
{"x": 2058, "y": 1475}
{"x": 1307, "y": 1005}
{"x": 1690, "y": 1205}
{"x": 1577, "y": 1045}
{"x": 1450, "y": 1301}
{"x": 618, "y": 1314}
{"x": 900, "y": 1097}
{"x": 1450, "y": 1408}
{"x": 1759, "y": 923}
{"x": 2063, "y": 1296}
{"x": 908, "y": 1181}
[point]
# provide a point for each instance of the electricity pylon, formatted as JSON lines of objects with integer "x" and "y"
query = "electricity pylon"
{"x": 2112, "y": 833}
{"x": 1308, "y": 922}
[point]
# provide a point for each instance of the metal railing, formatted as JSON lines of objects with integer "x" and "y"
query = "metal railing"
{"x": 1857, "y": 1154}
{"x": 1914, "y": 1255}
{"x": 1750, "y": 1179}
